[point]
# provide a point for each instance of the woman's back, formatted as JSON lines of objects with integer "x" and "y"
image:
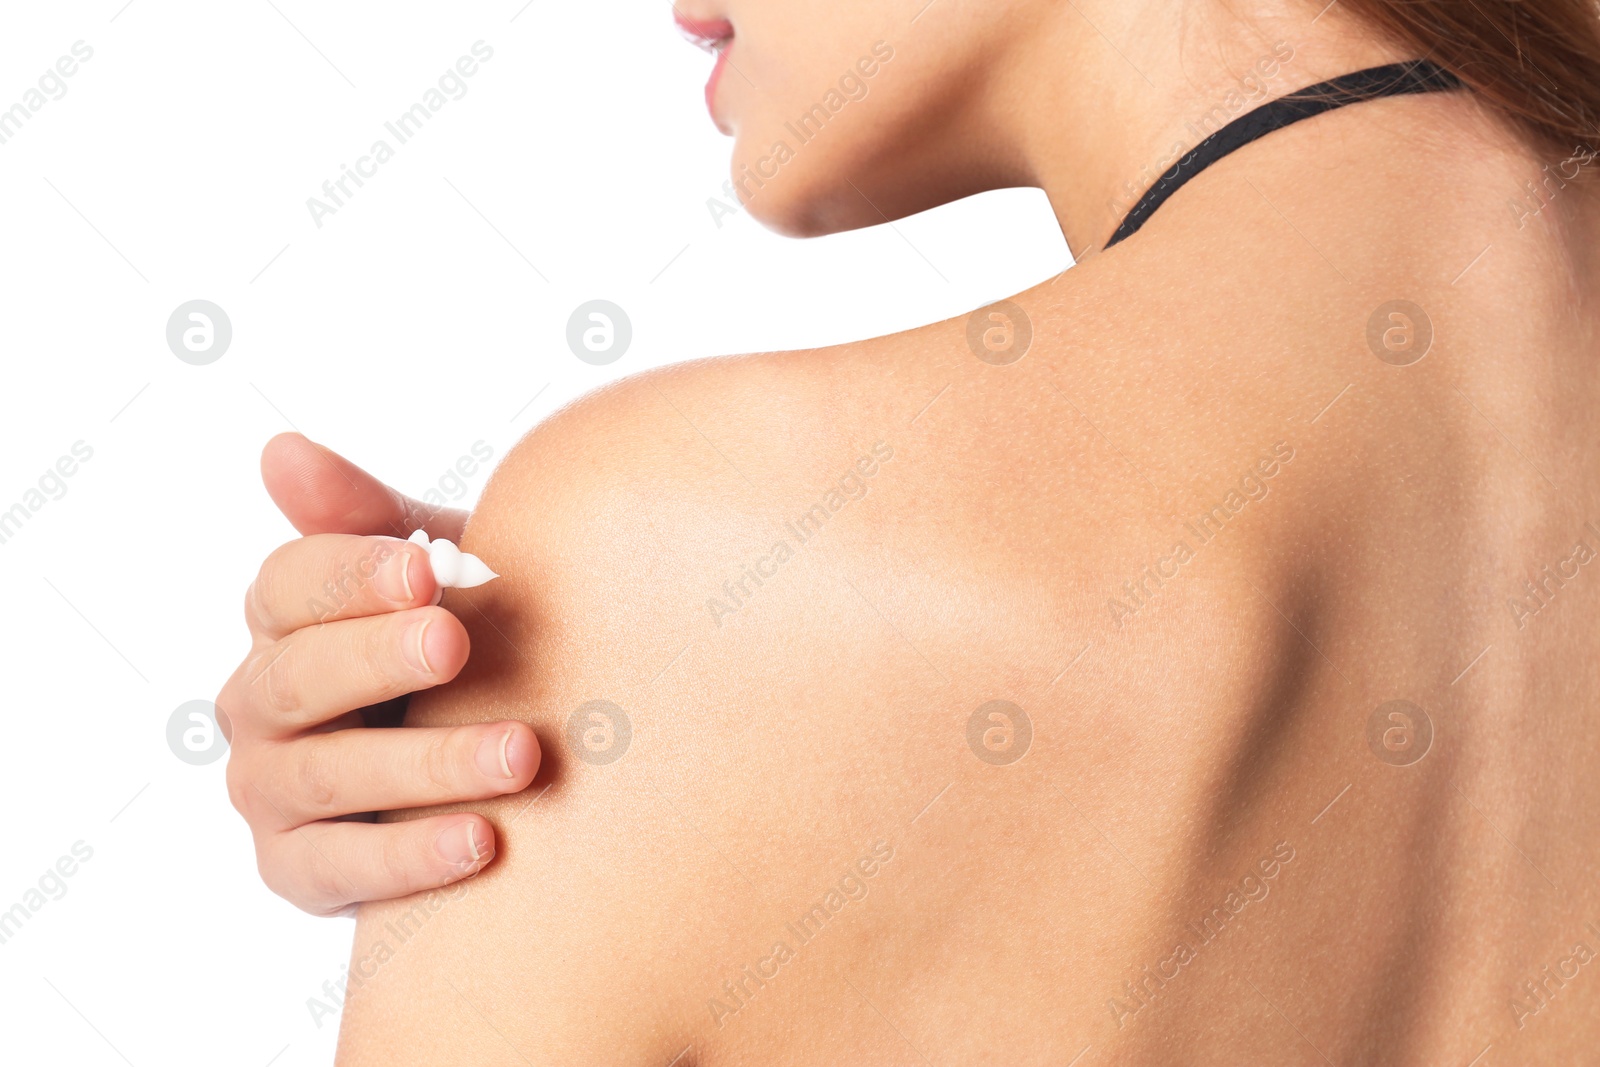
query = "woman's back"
{"x": 1188, "y": 661}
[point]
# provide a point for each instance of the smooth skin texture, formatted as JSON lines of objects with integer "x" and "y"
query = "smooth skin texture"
{"x": 1223, "y": 725}
{"x": 307, "y": 747}
{"x": 1203, "y": 748}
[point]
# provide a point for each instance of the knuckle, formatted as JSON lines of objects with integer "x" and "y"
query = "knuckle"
{"x": 316, "y": 777}
{"x": 327, "y": 910}
{"x": 267, "y": 870}
{"x": 273, "y": 872}
{"x": 378, "y": 659}
{"x": 262, "y": 594}
{"x": 273, "y": 671}
{"x": 326, "y": 888}
{"x": 252, "y": 611}
{"x": 311, "y": 887}
{"x": 238, "y": 786}
{"x": 402, "y": 863}
{"x": 371, "y": 553}
{"x": 347, "y": 584}
{"x": 439, "y": 761}
{"x": 229, "y": 701}
{"x": 227, "y": 698}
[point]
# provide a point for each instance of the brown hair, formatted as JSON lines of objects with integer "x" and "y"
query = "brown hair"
{"x": 1536, "y": 61}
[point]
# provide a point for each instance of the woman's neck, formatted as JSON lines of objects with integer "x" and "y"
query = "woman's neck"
{"x": 1094, "y": 118}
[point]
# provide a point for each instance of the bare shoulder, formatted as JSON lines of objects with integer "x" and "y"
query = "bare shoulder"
{"x": 782, "y": 620}
{"x": 1062, "y": 617}
{"x": 676, "y": 619}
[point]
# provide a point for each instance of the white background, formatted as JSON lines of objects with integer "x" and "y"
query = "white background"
{"x": 412, "y": 325}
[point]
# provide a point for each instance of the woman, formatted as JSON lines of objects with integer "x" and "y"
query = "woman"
{"x": 1186, "y": 660}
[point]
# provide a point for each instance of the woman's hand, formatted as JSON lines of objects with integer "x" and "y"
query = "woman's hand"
{"x": 342, "y": 627}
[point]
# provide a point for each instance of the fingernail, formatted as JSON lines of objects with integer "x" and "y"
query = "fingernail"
{"x": 494, "y": 755}
{"x": 458, "y": 846}
{"x": 394, "y": 578}
{"x": 413, "y": 645}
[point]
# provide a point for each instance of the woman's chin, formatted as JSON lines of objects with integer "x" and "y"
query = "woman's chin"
{"x": 788, "y": 208}
{"x": 791, "y": 222}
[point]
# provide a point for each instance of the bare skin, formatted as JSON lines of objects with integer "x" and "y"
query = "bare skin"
{"x": 1206, "y": 746}
{"x": 342, "y": 626}
{"x": 1216, "y": 841}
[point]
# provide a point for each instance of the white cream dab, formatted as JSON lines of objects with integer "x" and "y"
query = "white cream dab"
{"x": 452, "y": 568}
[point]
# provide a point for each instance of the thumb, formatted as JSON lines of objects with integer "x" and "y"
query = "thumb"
{"x": 320, "y": 491}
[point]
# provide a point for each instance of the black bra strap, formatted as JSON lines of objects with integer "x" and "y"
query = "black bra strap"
{"x": 1395, "y": 79}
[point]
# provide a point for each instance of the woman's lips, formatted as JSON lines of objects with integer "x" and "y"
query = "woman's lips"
{"x": 707, "y": 33}
{"x": 711, "y": 83}
{"x": 713, "y": 36}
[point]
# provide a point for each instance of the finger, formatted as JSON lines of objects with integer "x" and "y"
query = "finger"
{"x": 327, "y": 577}
{"x": 320, "y": 491}
{"x": 323, "y": 776}
{"x": 326, "y": 866}
{"x": 321, "y": 672}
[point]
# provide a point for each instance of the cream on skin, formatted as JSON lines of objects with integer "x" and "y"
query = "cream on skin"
{"x": 452, "y": 568}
